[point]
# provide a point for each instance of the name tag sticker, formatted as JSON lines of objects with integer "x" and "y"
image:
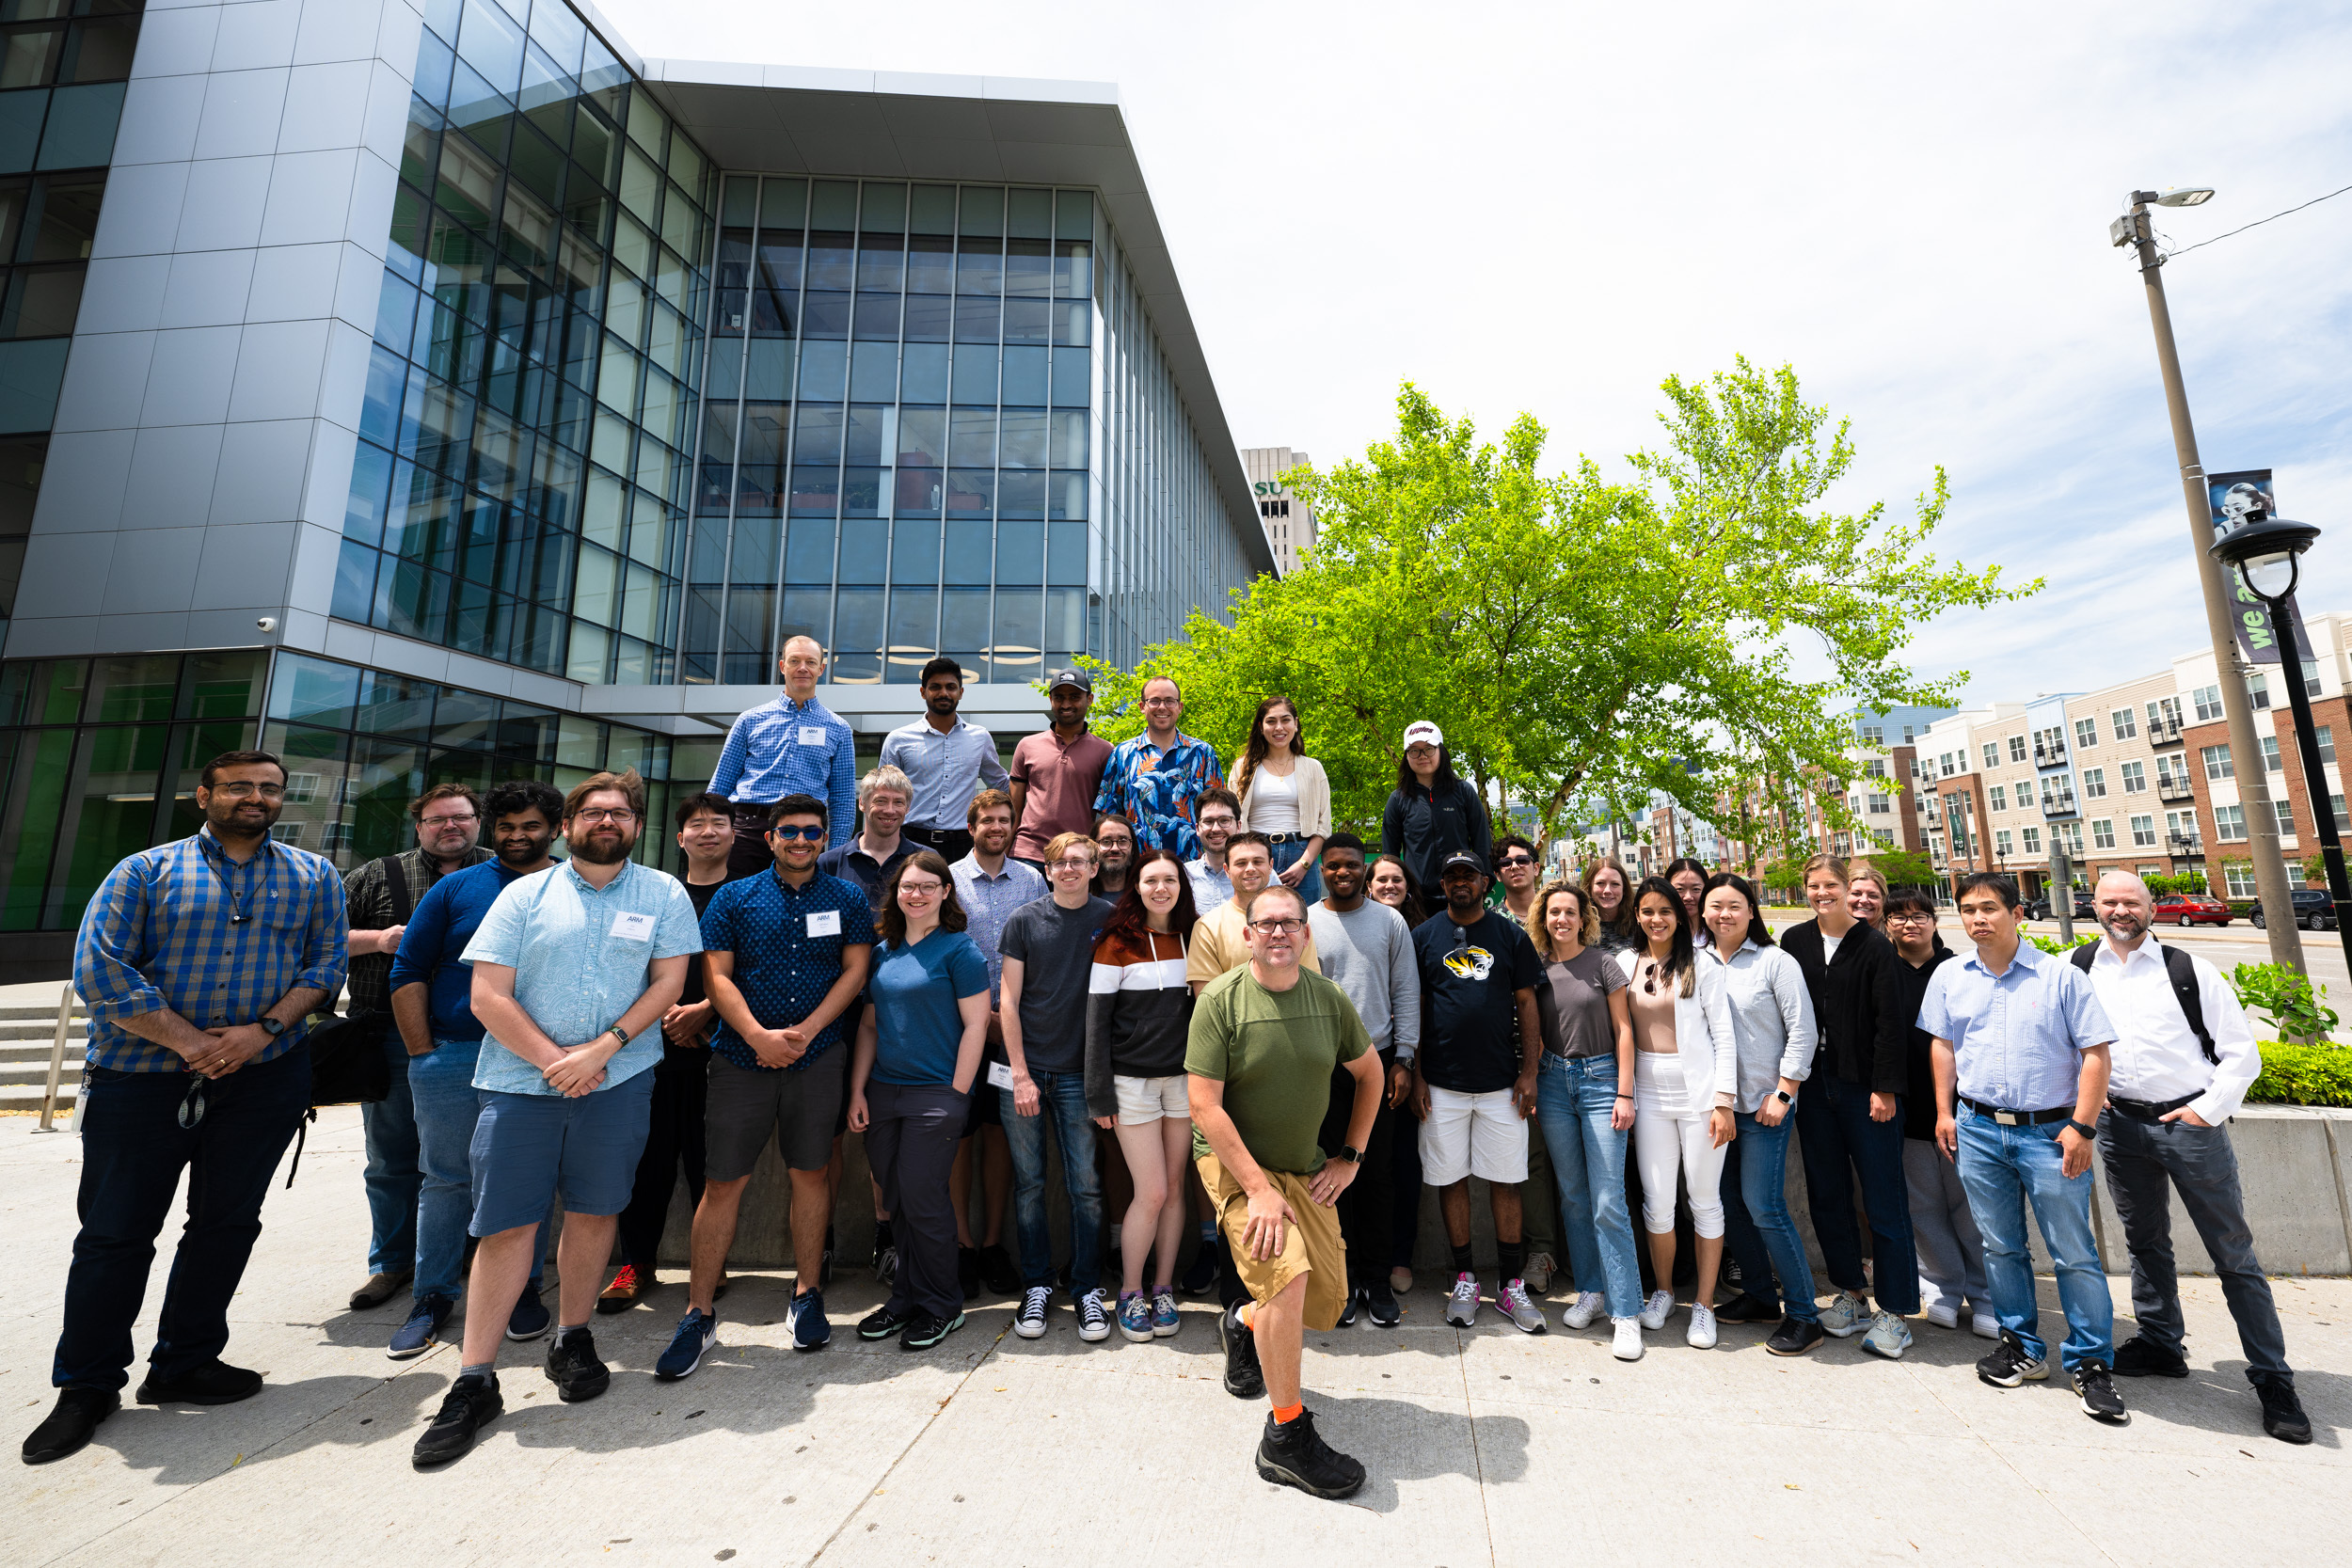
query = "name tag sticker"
{"x": 825, "y": 923}
{"x": 633, "y": 928}
{"x": 1000, "y": 1075}
{"x": 812, "y": 735}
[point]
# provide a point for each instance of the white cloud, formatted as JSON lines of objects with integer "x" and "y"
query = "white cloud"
{"x": 1552, "y": 207}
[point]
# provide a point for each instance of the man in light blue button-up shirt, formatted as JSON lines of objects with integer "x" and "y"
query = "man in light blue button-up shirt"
{"x": 795, "y": 745}
{"x": 947, "y": 759}
{"x": 573, "y": 970}
{"x": 2020, "y": 1046}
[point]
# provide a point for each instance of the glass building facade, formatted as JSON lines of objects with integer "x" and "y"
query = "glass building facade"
{"x": 527, "y": 465}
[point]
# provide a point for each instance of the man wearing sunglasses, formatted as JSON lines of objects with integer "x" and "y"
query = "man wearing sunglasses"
{"x": 200, "y": 960}
{"x": 783, "y": 952}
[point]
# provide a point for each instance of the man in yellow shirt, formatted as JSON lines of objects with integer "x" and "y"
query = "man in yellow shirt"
{"x": 1219, "y": 942}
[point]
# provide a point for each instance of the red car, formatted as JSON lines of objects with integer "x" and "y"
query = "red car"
{"x": 2192, "y": 908}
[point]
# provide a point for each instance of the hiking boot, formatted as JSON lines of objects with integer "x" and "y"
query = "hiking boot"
{"x": 2140, "y": 1357}
{"x": 1244, "y": 1378}
{"x": 2282, "y": 1413}
{"x": 2011, "y": 1364}
{"x": 472, "y": 1403}
{"x": 622, "y": 1293}
{"x": 573, "y": 1368}
{"x": 1292, "y": 1453}
{"x": 1794, "y": 1336}
{"x": 697, "y": 1335}
{"x": 69, "y": 1427}
{"x": 2095, "y": 1387}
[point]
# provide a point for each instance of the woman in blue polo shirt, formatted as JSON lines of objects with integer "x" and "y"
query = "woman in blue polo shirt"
{"x": 918, "y": 1050}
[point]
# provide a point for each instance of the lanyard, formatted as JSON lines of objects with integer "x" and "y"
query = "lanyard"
{"x": 243, "y": 911}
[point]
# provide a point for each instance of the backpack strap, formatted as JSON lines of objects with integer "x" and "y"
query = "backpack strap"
{"x": 2182, "y": 972}
{"x": 403, "y": 902}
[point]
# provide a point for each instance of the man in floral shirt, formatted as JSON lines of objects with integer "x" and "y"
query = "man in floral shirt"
{"x": 1153, "y": 779}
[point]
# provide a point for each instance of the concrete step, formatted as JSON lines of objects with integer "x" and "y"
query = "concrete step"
{"x": 37, "y": 1073}
{"x": 26, "y": 1034}
{"x": 26, "y": 1096}
{"x": 38, "y": 1051}
{"x": 47, "y": 1014}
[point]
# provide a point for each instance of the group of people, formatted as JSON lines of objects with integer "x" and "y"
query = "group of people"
{"x": 1215, "y": 1008}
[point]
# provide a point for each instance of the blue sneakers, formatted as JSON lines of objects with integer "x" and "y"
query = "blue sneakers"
{"x": 1134, "y": 1317}
{"x": 697, "y": 1332}
{"x": 531, "y": 1317}
{"x": 1164, "y": 1322}
{"x": 423, "y": 1330}
{"x": 811, "y": 1330}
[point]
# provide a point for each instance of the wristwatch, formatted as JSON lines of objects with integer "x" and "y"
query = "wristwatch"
{"x": 1353, "y": 1156}
{"x": 271, "y": 1027}
{"x": 1784, "y": 1096}
{"x": 616, "y": 1033}
{"x": 2085, "y": 1132}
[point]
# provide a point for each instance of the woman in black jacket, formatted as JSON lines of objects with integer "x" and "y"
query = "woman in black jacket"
{"x": 1850, "y": 1123}
{"x": 1431, "y": 812}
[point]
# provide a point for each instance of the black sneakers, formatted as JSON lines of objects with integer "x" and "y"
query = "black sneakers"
{"x": 2011, "y": 1364}
{"x": 573, "y": 1367}
{"x": 1746, "y": 1308}
{"x": 998, "y": 1273}
{"x": 1244, "y": 1378}
{"x": 2140, "y": 1357}
{"x": 472, "y": 1403}
{"x": 883, "y": 1323}
{"x": 1292, "y": 1453}
{"x": 1794, "y": 1336}
{"x": 1380, "y": 1304}
{"x": 2095, "y": 1386}
{"x": 968, "y": 1271}
{"x": 70, "y": 1427}
{"x": 2282, "y": 1413}
{"x": 926, "y": 1330}
{"x": 218, "y": 1384}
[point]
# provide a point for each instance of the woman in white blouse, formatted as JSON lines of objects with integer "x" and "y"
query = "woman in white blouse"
{"x": 1286, "y": 795}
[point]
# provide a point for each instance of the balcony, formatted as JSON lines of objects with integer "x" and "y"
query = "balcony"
{"x": 2051, "y": 754}
{"x": 2184, "y": 844}
{"x": 2172, "y": 791}
{"x": 2164, "y": 731}
{"x": 2059, "y": 805}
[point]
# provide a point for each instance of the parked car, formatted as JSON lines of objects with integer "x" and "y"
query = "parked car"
{"x": 2192, "y": 908}
{"x": 2040, "y": 908}
{"x": 2313, "y": 909}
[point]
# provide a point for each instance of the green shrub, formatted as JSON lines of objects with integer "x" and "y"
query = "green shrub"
{"x": 2286, "y": 999}
{"x": 2052, "y": 944}
{"x": 2303, "y": 1075}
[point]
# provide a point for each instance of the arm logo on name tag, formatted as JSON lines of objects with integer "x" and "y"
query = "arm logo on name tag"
{"x": 812, "y": 735}
{"x": 825, "y": 923}
{"x": 633, "y": 928}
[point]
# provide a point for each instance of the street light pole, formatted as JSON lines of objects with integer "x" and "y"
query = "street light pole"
{"x": 2272, "y": 886}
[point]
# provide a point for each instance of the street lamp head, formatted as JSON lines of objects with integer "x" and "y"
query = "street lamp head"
{"x": 2268, "y": 552}
{"x": 2186, "y": 196}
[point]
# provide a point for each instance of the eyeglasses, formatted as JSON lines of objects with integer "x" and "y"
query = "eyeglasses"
{"x": 1278, "y": 927}
{"x": 1159, "y": 702}
{"x": 920, "y": 890}
{"x": 446, "y": 821}
{"x": 241, "y": 790}
{"x": 1074, "y": 863}
{"x": 602, "y": 814}
{"x": 1911, "y": 918}
{"x": 788, "y": 834}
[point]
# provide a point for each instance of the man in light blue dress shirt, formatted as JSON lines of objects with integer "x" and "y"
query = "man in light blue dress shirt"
{"x": 947, "y": 759}
{"x": 573, "y": 970}
{"x": 2020, "y": 1048}
{"x": 795, "y": 745}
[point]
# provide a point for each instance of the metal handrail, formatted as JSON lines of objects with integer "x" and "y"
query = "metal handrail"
{"x": 56, "y": 1063}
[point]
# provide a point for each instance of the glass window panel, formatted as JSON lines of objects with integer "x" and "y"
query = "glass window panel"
{"x": 975, "y": 375}
{"x": 1074, "y": 269}
{"x": 932, "y": 210}
{"x": 884, "y": 209}
{"x": 816, "y": 492}
{"x": 857, "y": 619}
{"x": 913, "y": 634}
{"x": 914, "y": 552}
{"x": 1024, "y": 375}
{"x": 1024, "y": 439}
{"x": 1027, "y": 321}
{"x": 738, "y": 204}
{"x": 601, "y": 512}
{"x": 532, "y": 160}
{"x": 806, "y": 613}
{"x": 364, "y": 507}
{"x": 633, "y": 245}
{"x": 594, "y": 594}
{"x": 916, "y": 493}
{"x": 1074, "y": 215}
{"x": 1016, "y": 654}
{"x": 824, "y": 371}
{"x": 931, "y": 265}
{"x": 1066, "y": 553}
{"x": 1019, "y": 546}
{"x": 57, "y": 698}
{"x": 1029, "y": 268}
{"x": 681, "y": 225}
{"x": 922, "y": 435}
{"x": 979, "y": 266}
{"x": 641, "y": 186}
{"x": 978, "y": 320}
{"x": 1029, "y": 214}
{"x": 492, "y": 44}
{"x": 1065, "y": 622}
{"x": 727, "y": 368}
{"x": 223, "y": 685}
{"x": 784, "y": 203}
{"x": 963, "y": 620}
{"x": 751, "y": 623}
{"x": 881, "y": 261}
{"x": 831, "y": 260}
{"x": 870, "y": 435}
{"x": 1069, "y": 440}
{"x": 817, "y": 434}
{"x": 1066, "y": 496}
{"x": 648, "y": 124}
{"x": 969, "y": 550}
{"x": 862, "y": 492}
{"x": 874, "y": 370}
{"x": 396, "y": 705}
{"x": 1074, "y": 321}
{"x": 877, "y": 317}
{"x": 34, "y": 766}
{"x": 833, "y": 204}
{"x": 923, "y": 371}
{"x": 109, "y": 813}
{"x": 928, "y": 317}
{"x": 767, "y": 364}
{"x": 808, "y": 551}
{"x": 972, "y": 438}
{"x": 31, "y": 57}
{"x": 971, "y": 492}
{"x": 754, "y": 561}
{"x": 591, "y": 652}
{"x": 982, "y": 211}
{"x": 1073, "y": 377}
{"x": 312, "y": 690}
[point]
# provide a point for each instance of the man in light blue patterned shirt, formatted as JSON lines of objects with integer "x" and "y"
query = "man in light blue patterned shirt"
{"x": 795, "y": 745}
{"x": 573, "y": 970}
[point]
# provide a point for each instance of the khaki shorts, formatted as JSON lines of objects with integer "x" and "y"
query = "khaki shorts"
{"x": 1312, "y": 1247}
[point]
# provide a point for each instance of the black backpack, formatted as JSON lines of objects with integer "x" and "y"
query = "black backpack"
{"x": 2183, "y": 975}
{"x": 347, "y": 1066}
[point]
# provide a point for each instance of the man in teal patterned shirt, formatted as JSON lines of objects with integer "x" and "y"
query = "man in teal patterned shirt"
{"x": 1154, "y": 778}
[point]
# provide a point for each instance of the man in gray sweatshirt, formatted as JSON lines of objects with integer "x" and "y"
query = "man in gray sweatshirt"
{"x": 1367, "y": 950}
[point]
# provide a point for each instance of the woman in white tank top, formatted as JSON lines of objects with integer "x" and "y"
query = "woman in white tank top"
{"x": 1286, "y": 795}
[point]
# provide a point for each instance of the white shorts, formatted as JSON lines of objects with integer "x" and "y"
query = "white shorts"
{"x": 1473, "y": 1135}
{"x": 1144, "y": 1100}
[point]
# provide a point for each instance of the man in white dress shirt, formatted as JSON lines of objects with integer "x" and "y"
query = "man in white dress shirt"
{"x": 2178, "y": 1076}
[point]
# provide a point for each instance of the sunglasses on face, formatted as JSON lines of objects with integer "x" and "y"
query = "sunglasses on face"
{"x": 788, "y": 834}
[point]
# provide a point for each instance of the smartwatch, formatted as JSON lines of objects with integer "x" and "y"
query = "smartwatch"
{"x": 616, "y": 1034}
{"x": 1784, "y": 1096}
{"x": 271, "y": 1027}
{"x": 2085, "y": 1132}
{"x": 1353, "y": 1156}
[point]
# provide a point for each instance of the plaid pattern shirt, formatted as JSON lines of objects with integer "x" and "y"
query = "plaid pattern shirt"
{"x": 181, "y": 925}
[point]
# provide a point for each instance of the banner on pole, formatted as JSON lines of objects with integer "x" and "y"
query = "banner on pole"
{"x": 2236, "y": 499}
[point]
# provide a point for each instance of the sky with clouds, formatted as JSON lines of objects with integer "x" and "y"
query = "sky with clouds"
{"x": 1554, "y": 207}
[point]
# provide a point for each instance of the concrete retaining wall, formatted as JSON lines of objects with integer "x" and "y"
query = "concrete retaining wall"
{"x": 2295, "y": 1163}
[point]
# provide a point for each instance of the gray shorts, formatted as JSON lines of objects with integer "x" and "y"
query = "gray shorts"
{"x": 800, "y": 1107}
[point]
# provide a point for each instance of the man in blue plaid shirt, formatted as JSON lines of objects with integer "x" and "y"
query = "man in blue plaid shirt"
{"x": 198, "y": 961}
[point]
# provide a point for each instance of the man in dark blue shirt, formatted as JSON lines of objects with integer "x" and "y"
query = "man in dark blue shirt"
{"x": 785, "y": 951}
{"x": 433, "y": 1004}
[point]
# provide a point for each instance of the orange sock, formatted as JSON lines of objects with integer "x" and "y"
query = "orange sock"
{"x": 1249, "y": 1316}
{"x": 1285, "y": 1414}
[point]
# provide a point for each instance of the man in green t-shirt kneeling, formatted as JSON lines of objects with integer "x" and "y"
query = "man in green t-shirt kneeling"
{"x": 1264, "y": 1042}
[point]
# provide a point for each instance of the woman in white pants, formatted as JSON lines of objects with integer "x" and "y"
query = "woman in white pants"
{"x": 1684, "y": 1056}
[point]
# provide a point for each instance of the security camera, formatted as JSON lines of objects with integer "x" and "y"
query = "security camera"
{"x": 267, "y": 623}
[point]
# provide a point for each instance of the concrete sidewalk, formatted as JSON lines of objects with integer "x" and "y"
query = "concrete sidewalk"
{"x": 1485, "y": 1446}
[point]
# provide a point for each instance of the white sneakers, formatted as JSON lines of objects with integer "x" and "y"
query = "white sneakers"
{"x": 1655, "y": 1311}
{"x": 1944, "y": 1315}
{"x": 1984, "y": 1326}
{"x": 1537, "y": 1275}
{"x": 1627, "y": 1344}
{"x": 1702, "y": 1333}
{"x": 1583, "y": 1309}
{"x": 1461, "y": 1304}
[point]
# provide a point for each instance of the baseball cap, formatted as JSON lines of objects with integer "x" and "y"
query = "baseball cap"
{"x": 1078, "y": 678}
{"x": 1462, "y": 858}
{"x": 1424, "y": 730}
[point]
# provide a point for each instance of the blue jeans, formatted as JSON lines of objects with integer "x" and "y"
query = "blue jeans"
{"x": 393, "y": 1176}
{"x": 1758, "y": 1231}
{"x": 134, "y": 1152}
{"x": 2004, "y": 1168}
{"x": 1286, "y": 855}
{"x": 1835, "y": 1135}
{"x": 1573, "y": 1101}
{"x": 448, "y": 1105}
{"x": 1061, "y": 1107}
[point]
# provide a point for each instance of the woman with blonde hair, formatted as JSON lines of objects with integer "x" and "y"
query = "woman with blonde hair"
{"x": 1286, "y": 795}
{"x": 1611, "y": 891}
{"x": 1866, "y": 893}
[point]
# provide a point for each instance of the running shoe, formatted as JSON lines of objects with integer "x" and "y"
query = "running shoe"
{"x": 1461, "y": 1304}
{"x": 1847, "y": 1314}
{"x": 811, "y": 1328}
{"x": 1518, "y": 1305}
{"x": 1655, "y": 1311}
{"x": 423, "y": 1330}
{"x": 1888, "y": 1336}
{"x": 1583, "y": 1309}
{"x": 2095, "y": 1387}
{"x": 697, "y": 1332}
{"x": 2012, "y": 1363}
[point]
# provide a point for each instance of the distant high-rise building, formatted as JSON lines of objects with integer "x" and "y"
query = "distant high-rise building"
{"x": 1290, "y": 522}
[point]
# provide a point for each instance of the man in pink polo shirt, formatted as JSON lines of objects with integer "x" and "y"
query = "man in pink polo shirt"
{"x": 1056, "y": 772}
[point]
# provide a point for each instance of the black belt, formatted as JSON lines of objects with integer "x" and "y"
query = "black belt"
{"x": 933, "y": 835}
{"x": 1288, "y": 838}
{"x": 2148, "y": 1110}
{"x": 2019, "y": 1119}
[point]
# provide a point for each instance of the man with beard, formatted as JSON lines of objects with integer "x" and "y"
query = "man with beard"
{"x": 573, "y": 971}
{"x": 947, "y": 760}
{"x": 381, "y": 894}
{"x": 198, "y": 959}
{"x": 1115, "y": 842}
{"x": 1056, "y": 771}
{"x": 2183, "y": 1059}
{"x": 991, "y": 886}
{"x": 433, "y": 1003}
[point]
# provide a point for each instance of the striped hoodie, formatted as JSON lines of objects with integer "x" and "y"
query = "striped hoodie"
{"x": 1139, "y": 1014}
